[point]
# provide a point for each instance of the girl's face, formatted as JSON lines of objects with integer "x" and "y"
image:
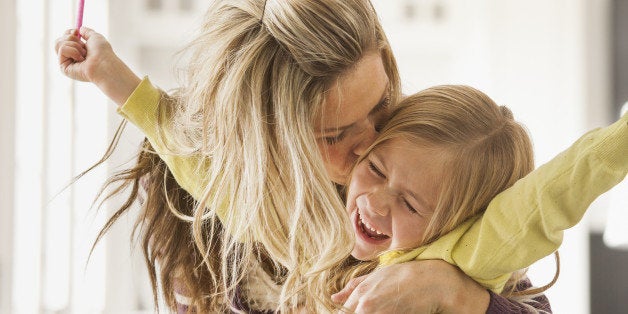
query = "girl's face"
{"x": 392, "y": 195}
{"x": 353, "y": 107}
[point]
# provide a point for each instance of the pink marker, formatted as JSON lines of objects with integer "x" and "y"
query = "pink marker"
{"x": 79, "y": 16}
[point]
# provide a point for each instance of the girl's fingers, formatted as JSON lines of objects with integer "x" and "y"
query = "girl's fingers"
{"x": 59, "y": 42}
{"x": 87, "y": 32}
{"x": 78, "y": 46}
{"x": 69, "y": 52}
{"x": 65, "y": 66}
{"x": 70, "y": 40}
{"x": 71, "y": 31}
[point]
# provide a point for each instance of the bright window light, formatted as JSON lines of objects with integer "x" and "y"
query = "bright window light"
{"x": 60, "y": 130}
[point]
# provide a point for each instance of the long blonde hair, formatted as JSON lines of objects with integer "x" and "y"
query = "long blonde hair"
{"x": 252, "y": 90}
{"x": 485, "y": 149}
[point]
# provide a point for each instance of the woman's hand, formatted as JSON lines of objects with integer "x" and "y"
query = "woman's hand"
{"x": 432, "y": 286}
{"x": 94, "y": 61}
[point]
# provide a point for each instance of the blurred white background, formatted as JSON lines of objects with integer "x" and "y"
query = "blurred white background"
{"x": 560, "y": 65}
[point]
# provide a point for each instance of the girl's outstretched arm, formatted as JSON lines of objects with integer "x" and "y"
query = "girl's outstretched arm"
{"x": 93, "y": 60}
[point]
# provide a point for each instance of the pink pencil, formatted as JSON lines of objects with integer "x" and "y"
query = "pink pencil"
{"x": 79, "y": 16}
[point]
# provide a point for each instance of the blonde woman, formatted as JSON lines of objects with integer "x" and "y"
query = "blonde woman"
{"x": 280, "y": 99}
{"x": 422, "y": 189}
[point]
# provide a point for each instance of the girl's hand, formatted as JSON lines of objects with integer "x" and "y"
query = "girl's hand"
{"x": 73, "y": 55}
{"x": 432, "y": 286}
{"x": 94, "y": 61}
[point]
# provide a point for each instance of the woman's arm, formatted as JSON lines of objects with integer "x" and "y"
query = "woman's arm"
{"x": 430, "y": 286}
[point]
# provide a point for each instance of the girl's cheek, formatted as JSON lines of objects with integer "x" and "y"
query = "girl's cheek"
{"x": 365, "y": 177}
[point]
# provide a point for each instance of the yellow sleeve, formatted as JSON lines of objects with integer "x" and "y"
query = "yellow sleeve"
{"x": 526, "y": 222}
{"x": 142, "y": 109}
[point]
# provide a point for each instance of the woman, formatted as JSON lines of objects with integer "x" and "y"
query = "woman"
{"x": 281, "y": 97}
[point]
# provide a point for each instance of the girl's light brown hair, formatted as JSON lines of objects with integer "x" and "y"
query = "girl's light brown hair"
{"x": 485, "y": 150}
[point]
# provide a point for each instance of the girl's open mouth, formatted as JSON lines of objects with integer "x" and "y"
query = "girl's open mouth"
{"x": 367, "y": 232}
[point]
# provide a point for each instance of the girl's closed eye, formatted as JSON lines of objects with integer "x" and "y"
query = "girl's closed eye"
{"x": 375, "y": 170}
{"x": 410, "y": 208}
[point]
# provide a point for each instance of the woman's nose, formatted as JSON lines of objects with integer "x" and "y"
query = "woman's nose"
{"x": 367, "y": 137}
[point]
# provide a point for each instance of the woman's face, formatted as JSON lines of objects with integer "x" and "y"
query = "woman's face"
{"x": 353, "y": 107}
{"x": 392, "y": 196}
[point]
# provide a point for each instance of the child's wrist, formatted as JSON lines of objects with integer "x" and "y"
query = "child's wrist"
{"x": 116, "y": 80}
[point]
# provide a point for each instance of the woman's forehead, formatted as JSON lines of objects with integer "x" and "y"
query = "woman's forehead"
{"x": 353, "y": 95}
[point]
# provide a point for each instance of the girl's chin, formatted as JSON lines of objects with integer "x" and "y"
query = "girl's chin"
{"x": 362, "y": 256}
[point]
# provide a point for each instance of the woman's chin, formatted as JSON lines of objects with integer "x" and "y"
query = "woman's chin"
{"x": 339, "y": 180}
{"x": 339, "y": 177}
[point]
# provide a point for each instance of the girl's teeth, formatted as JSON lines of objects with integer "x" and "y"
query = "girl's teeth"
{"x": 368, "y": 226}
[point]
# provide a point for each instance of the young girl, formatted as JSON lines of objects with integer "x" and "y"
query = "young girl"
{"x": 422, "y": 189}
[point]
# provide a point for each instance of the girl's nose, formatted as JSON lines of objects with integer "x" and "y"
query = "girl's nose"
{"x": 376, "y": 202}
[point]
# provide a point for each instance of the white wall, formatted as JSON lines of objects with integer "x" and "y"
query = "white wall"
{"x": 7, "y": 132}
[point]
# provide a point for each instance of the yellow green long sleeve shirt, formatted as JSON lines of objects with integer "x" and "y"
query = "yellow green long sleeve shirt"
{"x": 526, "y": 222}
{"x": 141, "y": 109}
{"x": 520, "y": 226}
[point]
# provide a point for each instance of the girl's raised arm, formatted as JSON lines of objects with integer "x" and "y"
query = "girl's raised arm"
{"x": 94, "y": 61}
